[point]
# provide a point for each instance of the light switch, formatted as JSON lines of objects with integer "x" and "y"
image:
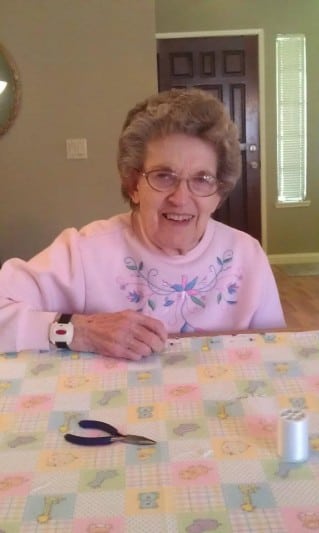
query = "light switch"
{"x": 76, "y": 149}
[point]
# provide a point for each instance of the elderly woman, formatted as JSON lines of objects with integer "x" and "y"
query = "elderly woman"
{"x": 120, "y": 286}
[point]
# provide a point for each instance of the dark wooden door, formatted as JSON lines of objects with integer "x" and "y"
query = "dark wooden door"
{"x": 227, "y": 67}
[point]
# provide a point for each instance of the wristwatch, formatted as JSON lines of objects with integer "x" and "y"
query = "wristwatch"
{"x": 61, "y": 331}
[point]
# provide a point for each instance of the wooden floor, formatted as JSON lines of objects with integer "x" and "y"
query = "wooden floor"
{"x": 300, "y": 299}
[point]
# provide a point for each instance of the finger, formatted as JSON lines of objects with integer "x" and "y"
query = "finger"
{"x": 120, "y": 352}
{"x": 151, "y": 340}
{"x": 154, "y": 325}
{"x": 138, "y": 349}
{"x": 128, "y": 347}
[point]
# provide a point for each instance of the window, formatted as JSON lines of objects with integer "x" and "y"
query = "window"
{"x": 291, "y": 118}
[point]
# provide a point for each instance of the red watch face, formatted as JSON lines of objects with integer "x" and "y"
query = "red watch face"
{"x": 60, "y": 331}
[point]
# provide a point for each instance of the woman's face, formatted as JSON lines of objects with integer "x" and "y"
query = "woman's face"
{"x": 176, "y": 221}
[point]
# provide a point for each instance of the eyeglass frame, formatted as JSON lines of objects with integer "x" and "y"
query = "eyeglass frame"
{"x": 145, "y": 175}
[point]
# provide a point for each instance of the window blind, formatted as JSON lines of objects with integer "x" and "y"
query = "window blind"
{"x": 291, "y": 118}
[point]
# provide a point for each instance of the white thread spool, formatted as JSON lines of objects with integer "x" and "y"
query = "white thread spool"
{"x": 292, "y": 437}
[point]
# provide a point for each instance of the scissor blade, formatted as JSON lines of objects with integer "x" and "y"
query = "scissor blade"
{"x": 138, "y": 440}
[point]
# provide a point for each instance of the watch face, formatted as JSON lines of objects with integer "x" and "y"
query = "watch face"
{"x": 61, "y": 333}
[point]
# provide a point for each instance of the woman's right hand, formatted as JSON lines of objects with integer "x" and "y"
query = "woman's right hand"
{"x": 127, "y": 334}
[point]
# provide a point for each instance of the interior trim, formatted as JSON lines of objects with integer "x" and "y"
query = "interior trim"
{"x": 281, "y": 259}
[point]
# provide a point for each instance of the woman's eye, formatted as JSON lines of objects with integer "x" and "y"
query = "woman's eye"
{"x": 205, "y": 179}
{"x": 163, "y": 176}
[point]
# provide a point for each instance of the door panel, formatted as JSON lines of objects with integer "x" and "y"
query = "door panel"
{"x": 228, "y": 68}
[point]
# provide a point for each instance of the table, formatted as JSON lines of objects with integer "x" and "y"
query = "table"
{"x": 212, "y": 405}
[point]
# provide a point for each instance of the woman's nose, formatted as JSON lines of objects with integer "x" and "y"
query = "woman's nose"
{"x": 181, "y": 193}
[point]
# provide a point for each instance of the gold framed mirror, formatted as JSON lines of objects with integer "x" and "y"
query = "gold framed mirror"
{"x": 9, "y": 90}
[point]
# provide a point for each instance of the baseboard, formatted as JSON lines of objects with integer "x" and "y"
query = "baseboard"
{"x": 288, "y": 259}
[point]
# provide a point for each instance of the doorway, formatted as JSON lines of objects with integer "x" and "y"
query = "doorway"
{"x": 228, "y": 67}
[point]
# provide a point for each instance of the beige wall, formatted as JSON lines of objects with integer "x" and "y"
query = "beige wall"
{"x": 83, "y": 64}
{"x": 290, "y": 230}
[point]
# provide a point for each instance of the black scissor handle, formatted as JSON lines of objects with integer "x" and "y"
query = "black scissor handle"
{"x": 90, "y": 441}
{"x": 114, "y": 434}
{"x": 102, "y": 426}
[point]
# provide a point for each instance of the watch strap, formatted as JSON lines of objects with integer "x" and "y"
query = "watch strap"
{"x": 64, "y": 318}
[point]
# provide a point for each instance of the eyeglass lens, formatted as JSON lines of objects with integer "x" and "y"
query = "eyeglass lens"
{"x": 202, "y": 185}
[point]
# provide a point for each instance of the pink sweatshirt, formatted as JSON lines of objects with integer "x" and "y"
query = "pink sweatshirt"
{"x": 224, "y": 283}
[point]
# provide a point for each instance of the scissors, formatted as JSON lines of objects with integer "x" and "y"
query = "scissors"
{"x": 114, "y": 435}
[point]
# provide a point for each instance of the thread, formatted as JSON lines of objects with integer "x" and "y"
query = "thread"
{"x": 292, "y": 436}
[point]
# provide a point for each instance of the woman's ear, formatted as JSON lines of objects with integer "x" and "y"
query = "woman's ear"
{"x": 134, "y": 194}
{"x": 135, "y": 197}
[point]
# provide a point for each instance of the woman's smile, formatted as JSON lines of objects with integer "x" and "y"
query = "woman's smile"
{"x": 178, "y": 217}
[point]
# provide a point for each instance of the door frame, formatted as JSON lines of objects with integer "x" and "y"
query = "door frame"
{"x": 261, "y": 85}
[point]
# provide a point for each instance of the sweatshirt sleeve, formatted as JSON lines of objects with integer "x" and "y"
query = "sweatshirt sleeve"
{"x": 33, "y": 292}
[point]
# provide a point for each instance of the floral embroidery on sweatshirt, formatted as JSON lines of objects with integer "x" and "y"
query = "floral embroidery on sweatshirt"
{"x": 146, "y": 290}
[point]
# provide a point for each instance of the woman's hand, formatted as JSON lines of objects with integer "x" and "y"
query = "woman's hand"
{"x": 127, "y": 334}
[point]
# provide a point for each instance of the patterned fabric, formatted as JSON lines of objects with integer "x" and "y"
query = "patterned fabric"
{"x": 212, "y": 405}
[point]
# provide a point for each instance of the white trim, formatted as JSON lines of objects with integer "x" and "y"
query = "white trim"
{"x": 211, "y": 33}
{"x": 303, "y": 203}
{"x": 262, "y": 140}
{"x": 281, "y": 259}
{"x": 262, "y": 114}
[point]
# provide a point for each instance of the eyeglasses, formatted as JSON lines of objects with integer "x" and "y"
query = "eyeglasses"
{"x": 167, "y": 181}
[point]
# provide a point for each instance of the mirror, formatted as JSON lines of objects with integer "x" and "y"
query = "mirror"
{"x": 9, "y": 90}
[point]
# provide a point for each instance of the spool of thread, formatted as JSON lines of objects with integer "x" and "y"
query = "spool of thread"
{"x": 292, "y": 436}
